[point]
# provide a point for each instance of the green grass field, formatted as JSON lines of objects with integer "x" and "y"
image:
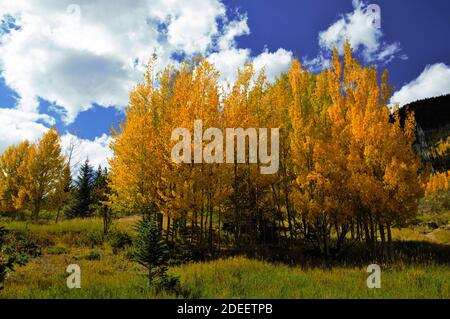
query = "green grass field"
{"x": 115, "y": 276}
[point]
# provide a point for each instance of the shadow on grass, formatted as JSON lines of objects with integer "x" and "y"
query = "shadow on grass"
{"x": 355, "y": 255}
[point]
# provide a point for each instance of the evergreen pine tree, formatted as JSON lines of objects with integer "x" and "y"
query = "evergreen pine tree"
{"x": 82, "y": 201}
{"x": 151, "y": 251}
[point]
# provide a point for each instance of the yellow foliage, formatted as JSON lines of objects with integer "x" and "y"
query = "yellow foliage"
{"x": 437, "y": 182}
{"x": 344, "y": 158}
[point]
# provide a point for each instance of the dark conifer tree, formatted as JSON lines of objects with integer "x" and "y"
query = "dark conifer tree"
{"x": 151, "y": 251}
{"x": 82, "y": 201}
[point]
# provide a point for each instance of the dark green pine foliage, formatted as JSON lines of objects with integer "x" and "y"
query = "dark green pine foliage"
{"x": 82, "y": 200}
{"x": 151, "y": 251}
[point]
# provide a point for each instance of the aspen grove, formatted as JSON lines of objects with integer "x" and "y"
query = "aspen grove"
{"x": 347, "y": 169}
{"x": 344, "y": 172}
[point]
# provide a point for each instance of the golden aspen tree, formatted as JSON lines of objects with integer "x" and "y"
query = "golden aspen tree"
{"x": 62, "y": 193}
{"x": 10, "y": 179}
{"x": 134, "y": 167}
{"x": 178, "y": 191}
{"x": 242, "y": 109}
{"x": 190, "y": 186}
{"x": 42, "y": 171}
{"x": 279, "y": 204}
{"x": 385, "y": 177}
{"x": 320, "y": 178}
{"x": 437, "y": 194}
{"x": 437, "y": 182}
{"x": 353, "y": 165}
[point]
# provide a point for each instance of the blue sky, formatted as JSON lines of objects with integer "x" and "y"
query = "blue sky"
{"x": 421, "y": 27}
{"x": 72, "y": 63}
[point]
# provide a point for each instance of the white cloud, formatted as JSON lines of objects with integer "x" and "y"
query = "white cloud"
{"x": 354, "y": 27}
{"x": 388, "y": 53}
{"x": 433, "y": 81}
{"x": 318, "y": 63}
{"x": 232, "y": 30}
{"x": 94, "y": 52}
{"x": 273, "y": 63}
{"x": 17, "y": 126}
{"x": 228, "y": 61}
{"x": 97, "y": 151}
{"x": 364, "y": 37}
{"x": 191, "y": 25}
{"x": 77, "y": 55}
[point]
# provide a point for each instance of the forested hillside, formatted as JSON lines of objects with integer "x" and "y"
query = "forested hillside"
{"x": 433, "y": 130}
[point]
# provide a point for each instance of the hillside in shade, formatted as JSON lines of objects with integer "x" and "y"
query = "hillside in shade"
{"x": 433, "y": 129}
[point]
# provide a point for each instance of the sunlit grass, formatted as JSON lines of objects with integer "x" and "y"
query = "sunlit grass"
{"x": 239, "y": 277}
{"x": 409, "y": 234}
{"x": 70, "y": 225}
{"x": 109, "y": 277}
{"x": 244, "y": 278}
{"x": 443, "y": 236}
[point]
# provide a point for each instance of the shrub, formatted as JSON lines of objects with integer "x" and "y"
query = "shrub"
{"x": 129, "y": 253}
{"x": 58, "y": 250}
{"x": 6, "y": 261}
{"x": 21, "y": 246}
{"x": 119, "y": 240}
{"x": 93, "y": 255}
{"x": 94, "y": 238}
{"x": 29, "y": 245}
{"x": 168, "y": 283}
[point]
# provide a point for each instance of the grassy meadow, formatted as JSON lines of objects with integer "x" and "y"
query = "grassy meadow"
{"x": 105, "y": 274}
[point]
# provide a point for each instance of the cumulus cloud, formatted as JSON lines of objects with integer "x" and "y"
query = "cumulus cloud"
{"x": 75, "y": 56}
{"x": 273, "y": 63}
{"x": 190, "y": 25}
{"x": 96, "y": 151}
{"x": 17, "y": 126}
{"x": 359, "y": 29}
{"x": 354, "y": 27}
{"x": 228, "y": 61}
{"x": 78, "y": 55}
{"x": 232, "y": 30}
{"x": 433, "y": 81}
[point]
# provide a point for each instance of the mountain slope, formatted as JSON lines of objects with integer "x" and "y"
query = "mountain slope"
{"x": 433, "y": 129}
